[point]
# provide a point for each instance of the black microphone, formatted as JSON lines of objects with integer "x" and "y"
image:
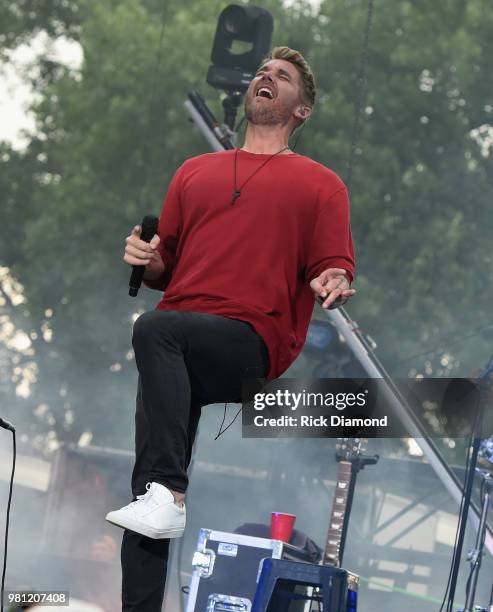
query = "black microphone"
{"x": 6, "y": 425}
{"x": 149, "y": 228}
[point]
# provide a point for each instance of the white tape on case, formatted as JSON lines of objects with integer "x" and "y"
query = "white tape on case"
{"x": 230, "y": 550}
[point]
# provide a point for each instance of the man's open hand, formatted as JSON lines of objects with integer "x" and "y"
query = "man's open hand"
{"x": 331, "y": 288}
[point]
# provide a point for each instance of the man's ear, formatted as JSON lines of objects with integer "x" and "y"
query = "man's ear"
{"x": 302, "y": 112}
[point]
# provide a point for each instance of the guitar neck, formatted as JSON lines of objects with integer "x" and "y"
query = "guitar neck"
{"x": 338, "y": 515}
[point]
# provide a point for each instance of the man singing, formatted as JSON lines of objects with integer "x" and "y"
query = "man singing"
{"x": 247, "y": 239}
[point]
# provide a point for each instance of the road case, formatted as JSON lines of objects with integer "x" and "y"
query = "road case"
{"x": 226, "y": 567}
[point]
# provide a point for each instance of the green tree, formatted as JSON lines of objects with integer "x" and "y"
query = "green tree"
{"x": 103, "y": 155}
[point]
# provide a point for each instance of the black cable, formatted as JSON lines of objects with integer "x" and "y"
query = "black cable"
{"x": 222, "y": 423}
{"x": 461, "y": 507}
{"x": 362, "y": 94}
{"x": 2, "y": 591}
{"x": 468, "y": 456}
{"x": 300, "y": 131}
{"x": 465, "y": 511}
{"x": 220, "y": 433}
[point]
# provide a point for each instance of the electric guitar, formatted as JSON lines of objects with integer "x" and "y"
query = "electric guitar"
{"x": 348, "y": 451}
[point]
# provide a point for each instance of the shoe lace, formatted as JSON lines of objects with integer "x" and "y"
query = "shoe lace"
{"x": 139, "y": 497}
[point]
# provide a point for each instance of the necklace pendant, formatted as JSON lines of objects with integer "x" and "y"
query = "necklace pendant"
{"x": 236, "y": 194}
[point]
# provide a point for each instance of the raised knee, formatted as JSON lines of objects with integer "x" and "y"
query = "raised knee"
{"x": 144, "y": 328}
{"x": 150, "y": 326}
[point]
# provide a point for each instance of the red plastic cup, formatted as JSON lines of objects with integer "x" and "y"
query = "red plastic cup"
{"x": 281, "y": 526}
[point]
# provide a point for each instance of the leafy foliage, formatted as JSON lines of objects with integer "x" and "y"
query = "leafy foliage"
{"x": 110, "y": 135}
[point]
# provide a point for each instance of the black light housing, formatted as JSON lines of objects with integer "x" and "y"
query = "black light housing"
{"x": 230, "y": 71}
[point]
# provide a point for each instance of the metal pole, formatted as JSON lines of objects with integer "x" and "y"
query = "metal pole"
{"x": 476, "y": 555}
{"x": 203, "y": 127}
{"x": 362, "y": 351}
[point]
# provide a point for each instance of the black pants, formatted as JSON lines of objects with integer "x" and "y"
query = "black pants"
{"x": 186, "y": 360}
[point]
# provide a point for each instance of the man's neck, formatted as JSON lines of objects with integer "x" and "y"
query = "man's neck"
{"x": 265, "y": 139}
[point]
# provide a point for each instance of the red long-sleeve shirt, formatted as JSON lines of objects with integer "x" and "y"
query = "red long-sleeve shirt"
{"x": 253, "y": 259}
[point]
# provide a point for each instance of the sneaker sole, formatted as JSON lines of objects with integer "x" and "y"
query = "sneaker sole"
{"x": 155, "y": 534}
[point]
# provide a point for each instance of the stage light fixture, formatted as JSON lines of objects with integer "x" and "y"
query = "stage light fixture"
{"x": 239, "y": 26}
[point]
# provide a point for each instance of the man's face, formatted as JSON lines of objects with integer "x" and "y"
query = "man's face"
{"x": 273, "y": 94}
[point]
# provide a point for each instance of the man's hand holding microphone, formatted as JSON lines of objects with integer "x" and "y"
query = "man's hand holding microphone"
{"x": 141, "y": 253}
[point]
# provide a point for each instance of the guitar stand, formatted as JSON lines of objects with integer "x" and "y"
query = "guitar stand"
{"x": 357, "y": 464}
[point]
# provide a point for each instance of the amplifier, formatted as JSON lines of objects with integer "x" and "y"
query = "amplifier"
{"x": 226, "y": 568}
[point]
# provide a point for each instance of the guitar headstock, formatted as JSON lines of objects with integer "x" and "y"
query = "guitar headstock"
{"x": 348, "y": 449}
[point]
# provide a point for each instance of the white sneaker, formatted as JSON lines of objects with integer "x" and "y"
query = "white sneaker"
{"x": 154, "y": 514}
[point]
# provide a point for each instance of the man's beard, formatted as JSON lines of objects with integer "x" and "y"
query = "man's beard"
{"x": 266, "y": 114}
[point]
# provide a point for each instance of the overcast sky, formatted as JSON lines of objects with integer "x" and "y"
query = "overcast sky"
{"x": 15, "y": 94}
